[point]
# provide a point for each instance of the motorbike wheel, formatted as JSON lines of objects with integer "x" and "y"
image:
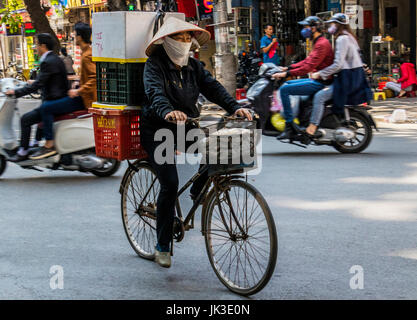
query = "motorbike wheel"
{"x": 3, "y": 164}
{"x": 363, "y": 136}
{"x": 109, "y": 169}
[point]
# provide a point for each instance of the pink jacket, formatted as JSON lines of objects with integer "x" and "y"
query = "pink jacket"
{"x": 408, "y": 76}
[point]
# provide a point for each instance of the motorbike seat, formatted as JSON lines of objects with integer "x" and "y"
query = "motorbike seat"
{"x": 72, "y": 115}
{"x": 67, "y": 116}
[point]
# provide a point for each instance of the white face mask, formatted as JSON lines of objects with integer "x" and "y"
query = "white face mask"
{"x": 177, "y": 51}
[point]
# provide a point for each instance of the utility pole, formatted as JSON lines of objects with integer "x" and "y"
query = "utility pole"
{"x": 224, "y": 59}
{"x": 382, "y": 17}
{"x": 307, "y": 8}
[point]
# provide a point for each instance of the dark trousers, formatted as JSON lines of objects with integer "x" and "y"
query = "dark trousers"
{"x": 168, "y": 179}
{"x": 45, "y": 113}
{"x": 26, "y": 123}
{"x": 49, "y": 109}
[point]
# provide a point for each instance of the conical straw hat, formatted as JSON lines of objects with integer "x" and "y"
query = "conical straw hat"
{"x": 172, "y": 26}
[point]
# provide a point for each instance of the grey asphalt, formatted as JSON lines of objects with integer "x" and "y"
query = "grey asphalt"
{"x": 332, "y": 212}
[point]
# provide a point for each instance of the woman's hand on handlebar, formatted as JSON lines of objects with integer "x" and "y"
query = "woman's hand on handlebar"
{"x": 10, "y": 93}
{"x": 244, "y": 113}
{"x": 279, "y": 75}
{"x": 176, "y": 116}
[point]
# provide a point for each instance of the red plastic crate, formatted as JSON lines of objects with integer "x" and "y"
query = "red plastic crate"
{"x": 117, "y": 134}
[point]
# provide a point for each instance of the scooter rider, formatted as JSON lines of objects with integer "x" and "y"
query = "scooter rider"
{"x": 320, "y": 58}
{"x": 78, "y": 99}
{"x": 53, "y": 82}
{"x": 173, "y": 82}
{"x": 350, "y": 86}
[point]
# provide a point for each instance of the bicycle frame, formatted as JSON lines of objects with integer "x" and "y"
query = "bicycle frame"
{"x": 190, "y": 216}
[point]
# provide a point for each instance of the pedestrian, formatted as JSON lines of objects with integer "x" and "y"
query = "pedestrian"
{"x": 67, "y": 61}
{"x": 407, "y": 82}
{"x": 270, "y": 45}
{"x": 173, "y": 81}
{"x": 52, "y": 81}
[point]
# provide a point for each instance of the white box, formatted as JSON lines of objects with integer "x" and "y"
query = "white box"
{"x": 123, "y": 36}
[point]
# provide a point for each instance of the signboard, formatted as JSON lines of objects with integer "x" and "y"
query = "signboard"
{"x": 361, "y": 16}
{"x": 80, "y": 3}
{"x": 334, "y": 6}
{"x": 205, "y": 8}
{"x": 29, "y": 29}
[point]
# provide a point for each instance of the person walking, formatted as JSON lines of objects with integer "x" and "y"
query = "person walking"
{"x": 67, "y": 61}
{"x": 270, "y": 45}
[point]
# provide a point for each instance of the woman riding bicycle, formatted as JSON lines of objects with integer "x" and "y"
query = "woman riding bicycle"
{"x": 173, "y": 82}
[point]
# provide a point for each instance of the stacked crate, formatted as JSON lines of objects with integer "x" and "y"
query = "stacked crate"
{"x": 119, "y": 43}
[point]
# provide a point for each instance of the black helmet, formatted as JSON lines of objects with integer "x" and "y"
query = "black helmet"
{"x": 340, "y": 18}
{"x": 312, "y": 21}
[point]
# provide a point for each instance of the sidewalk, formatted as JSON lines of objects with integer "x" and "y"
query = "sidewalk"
{"x": 381, "y": 110}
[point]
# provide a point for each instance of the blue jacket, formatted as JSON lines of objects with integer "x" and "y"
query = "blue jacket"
{"x": 351, "y": 87}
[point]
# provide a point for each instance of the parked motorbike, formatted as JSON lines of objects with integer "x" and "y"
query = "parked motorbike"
{"x": 13, "y": 71}
{"x": 350, "y": 134}
{"x": 249, "y": 63}
{"x": 74, "y": 140}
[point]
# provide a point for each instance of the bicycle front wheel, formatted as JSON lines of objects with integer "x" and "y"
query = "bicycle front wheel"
{"x": 241, "y": 238}
{"x": 140, "y": 190}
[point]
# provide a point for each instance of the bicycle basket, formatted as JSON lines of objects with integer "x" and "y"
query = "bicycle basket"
{"x": 229, "y": 146}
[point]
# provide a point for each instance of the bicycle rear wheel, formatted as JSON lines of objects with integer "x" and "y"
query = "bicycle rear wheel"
{"x": 241, "y": 238}
{"x": 139, "y": 222}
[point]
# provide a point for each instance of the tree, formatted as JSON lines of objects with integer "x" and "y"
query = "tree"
{"x": 40, "y": 21}
{"x": 37, "y": 15}
{"x": 117, "y": 5}
{"x": 14, "y": 21}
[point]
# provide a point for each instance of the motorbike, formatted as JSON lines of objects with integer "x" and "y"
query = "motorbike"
{"x": 13, "y": 71}
{"x": 351, "y": 133}
{"x": 249, "y": 63}
{"x": 74, "y": 140}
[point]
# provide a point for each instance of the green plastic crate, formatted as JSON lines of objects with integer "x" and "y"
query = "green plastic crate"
{"x": 120, "y": 83}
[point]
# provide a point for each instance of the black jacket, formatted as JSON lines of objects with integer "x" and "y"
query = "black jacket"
{"x": 52, "y": 80}
{"x": 168, "y": 89}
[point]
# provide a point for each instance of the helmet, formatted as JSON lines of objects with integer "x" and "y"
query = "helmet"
{"x": 312, "y": 21}
{"x": 340, "y": 18}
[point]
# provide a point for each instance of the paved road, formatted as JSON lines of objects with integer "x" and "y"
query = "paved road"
{"x": 332, "y": 212}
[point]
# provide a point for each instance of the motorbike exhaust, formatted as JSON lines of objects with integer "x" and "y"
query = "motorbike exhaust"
{"x": 89, "y": 161}
{"x": 343, "y": 135}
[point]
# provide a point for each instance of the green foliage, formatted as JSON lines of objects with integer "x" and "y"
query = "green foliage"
{"x": 9, "y": 16}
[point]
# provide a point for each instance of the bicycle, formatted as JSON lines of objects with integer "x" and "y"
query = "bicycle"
{"x": 236, "y": 220}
